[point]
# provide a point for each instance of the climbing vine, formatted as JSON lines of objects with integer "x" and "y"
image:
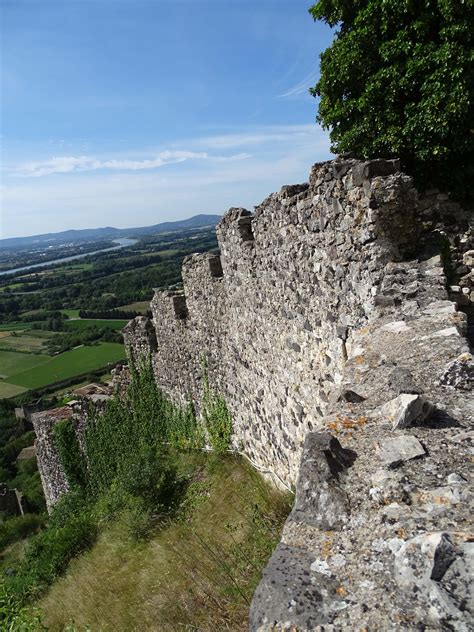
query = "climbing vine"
{"x": 217, "y": 417}
{"x": 70, "y": 453}
{"x": 128, "y": 436}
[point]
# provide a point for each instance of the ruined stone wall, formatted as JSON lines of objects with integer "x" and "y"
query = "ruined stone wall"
{"x": 53, "y": 477}
{"x": 274, "y": 316}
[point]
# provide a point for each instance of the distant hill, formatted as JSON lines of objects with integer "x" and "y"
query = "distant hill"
{"x": 98, "y": 234}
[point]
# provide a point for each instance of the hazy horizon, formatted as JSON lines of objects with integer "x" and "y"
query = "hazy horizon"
{"x": 136, "y": 113}
{"x": 105, "y": 227}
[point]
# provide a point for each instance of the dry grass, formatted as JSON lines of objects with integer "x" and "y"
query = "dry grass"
{"x": 197, "y": 572}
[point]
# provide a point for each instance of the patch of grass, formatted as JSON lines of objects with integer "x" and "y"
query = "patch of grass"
{"x": 67, "y": 365}
{"x": 12, "y": 363}
{"x": 139, "y": 306}
{"x": 12, "y": 286}
{"x": 197, "y": 571}
{"x": 15, "y": 326}
{"x": 83, "y": 323}
{"x": 72, "y": 313}
{"x": 24, "y": 342}
{"x": 18, "y": 528}
{"x": 10, "y": 390}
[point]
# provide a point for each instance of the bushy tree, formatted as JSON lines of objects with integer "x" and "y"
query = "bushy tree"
{"x": 398, "y": 81}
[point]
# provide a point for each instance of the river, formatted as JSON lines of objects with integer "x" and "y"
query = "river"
{"x": 122, "y": 243}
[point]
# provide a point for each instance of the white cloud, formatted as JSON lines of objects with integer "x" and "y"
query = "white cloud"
{"x": 71, "y": 164}
{"x": 302, "y": 87}
{"x": 136, "y": 194}
{"x": 260, "y": 136}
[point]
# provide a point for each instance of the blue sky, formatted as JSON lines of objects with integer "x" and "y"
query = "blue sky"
{"x": 132, "y": 112}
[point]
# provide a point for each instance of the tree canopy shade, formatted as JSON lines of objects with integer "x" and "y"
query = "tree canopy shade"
{"x": 398, "y": 80}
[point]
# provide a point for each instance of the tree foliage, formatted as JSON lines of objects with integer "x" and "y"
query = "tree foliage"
{"x": 398, "y": 81}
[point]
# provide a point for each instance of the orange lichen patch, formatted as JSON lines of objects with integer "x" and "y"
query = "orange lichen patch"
{"x": 341, "y": 591}
{"x": 326, "y": 549}
{"x": 463, "y": 536}
{"x": 360, "y": 359}
{"x": 401, "y": 533}
{"x": 343, "y": 423}
{"x": 423, "y": 497}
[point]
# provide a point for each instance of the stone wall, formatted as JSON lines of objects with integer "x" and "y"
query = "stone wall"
{"x": 50, "y": 467}
{"x": 335, "y": 323}
{"x": 274, "y": 317}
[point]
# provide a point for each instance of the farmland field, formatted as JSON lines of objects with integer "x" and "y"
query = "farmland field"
{"x": 71, "y": 313}
{"x": 15, "y": 326}
{"x": 68, "y": 364}
{"x": 26, "y": 341}
{"x": 10, "y": 390}
{"x": 12, "y": 363}
{"x": 82, "y": 323}
{"x": 138, "y": 306}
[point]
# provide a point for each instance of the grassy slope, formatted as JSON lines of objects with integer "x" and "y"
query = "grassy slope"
{"x": 68, "y": 364}
{"x": 195, "y": 573}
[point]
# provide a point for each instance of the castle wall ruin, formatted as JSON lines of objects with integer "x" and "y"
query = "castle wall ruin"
{"x": 274, "y": 316}
{"x": 331, "y": 324}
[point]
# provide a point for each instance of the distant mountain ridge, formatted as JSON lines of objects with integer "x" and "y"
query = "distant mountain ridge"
{"x": 109, "y": 232}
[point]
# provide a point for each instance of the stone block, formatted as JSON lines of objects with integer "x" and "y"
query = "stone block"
{"x": 406, "y": 410}
{"x": 395, "y": 451}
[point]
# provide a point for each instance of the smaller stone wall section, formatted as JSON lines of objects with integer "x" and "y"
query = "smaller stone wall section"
{"x": 50, "y": 467}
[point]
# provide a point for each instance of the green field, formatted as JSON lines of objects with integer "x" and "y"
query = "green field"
{"x": 10, "y": 390}
{"x": 15, "y": 326}
{"x": 12, "y": 363}
{"x": 139, "y": 306}
{"x": 26, "y": 341}
{"x": 82, "y": 323}
{"x": 68, "y": 364}
{"x": 72, "y": 313}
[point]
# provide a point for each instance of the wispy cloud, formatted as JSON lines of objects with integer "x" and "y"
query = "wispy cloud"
{"x": 301, "y": 87}
{"x": 261, "y": 136}
{"x": 71, "y": 164}
{"x": 211, "y": 176}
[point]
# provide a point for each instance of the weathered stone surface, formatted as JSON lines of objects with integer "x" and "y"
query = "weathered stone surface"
{"x": 406, "y": 410}
{"x": 459, "y": 373}
{"x": 438, "y": 570}
{"x": 140, "y": 338}
{"x": 468, "y": 258}
{"x": 294, "y": 591}
{"x": 50, "y": 467}
{"x": 403, "y": 448}
{"x": 320, "y": 500}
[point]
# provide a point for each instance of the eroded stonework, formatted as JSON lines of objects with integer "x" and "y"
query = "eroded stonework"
{"x": 336, "y": 324}
{"x": 277, "y": 315}
{"x": 327, "y": 320}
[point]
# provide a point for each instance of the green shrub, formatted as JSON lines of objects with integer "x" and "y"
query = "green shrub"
{"x": 28, "y": 481}
{"x": 397, "y": 82}
{"x": 50, "y": 552}
{"x": 69, "y": 452}
{"x": 129, "y": 475}
{"x": 14, "y": 617}
{"x": 19, "y": 527}
{"x": 217, "y": 418}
